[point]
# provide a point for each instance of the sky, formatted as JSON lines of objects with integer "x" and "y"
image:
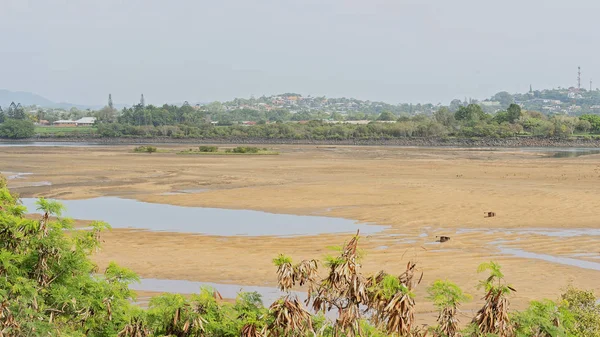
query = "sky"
{"x": 412, "y": 51}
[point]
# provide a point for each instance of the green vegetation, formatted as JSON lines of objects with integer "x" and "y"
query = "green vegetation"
{"x": 567, "y": 113}
{"x": 468, "y": 121}
{"x": 146, "y": 149}
{"x": 240, "y": 150}
{"x": 64, "y": 130}
{"x": 50, "y": 287}
{"x": 16, "y": 129}
{"x": 447, "y": 296}
{"x": 208, "y": 148}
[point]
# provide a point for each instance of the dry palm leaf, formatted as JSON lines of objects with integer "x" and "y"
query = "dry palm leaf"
{"x": 348, "y": 322}
{"x": 448, "y": 321}
{"x": 493, "y": 317}
{"x": 251, "y": 330}
{"x": 290, "y": 317}
{"x": 135, "y": 328}
{"x": 390, "y": 299}
{"x": 285, "y": 276}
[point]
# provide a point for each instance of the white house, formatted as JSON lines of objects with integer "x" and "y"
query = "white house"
{"x": 86, "y": 121}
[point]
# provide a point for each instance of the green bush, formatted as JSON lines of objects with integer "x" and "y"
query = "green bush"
{"x": 146, "y": 149}
{"x": 246, "y": 149}
{"x": 17, "y": 129}
{"x": 208, "y": 148}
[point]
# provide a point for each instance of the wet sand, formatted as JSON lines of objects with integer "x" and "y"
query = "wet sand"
{"x": 420, "y": 193}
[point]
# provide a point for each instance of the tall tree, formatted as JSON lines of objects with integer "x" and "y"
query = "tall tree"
{"x": 471, "y": 112}
{"x": 514, "y": 112}
{"x": 2, "y": 115}
{"x": 40, "y": 115}
{"x": 110, "y": 102}
{"x": 504, "y": 98}
{"x": 15, "y": 111}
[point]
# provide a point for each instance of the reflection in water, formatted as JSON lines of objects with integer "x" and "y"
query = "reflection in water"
{"x": 127, "y": 213}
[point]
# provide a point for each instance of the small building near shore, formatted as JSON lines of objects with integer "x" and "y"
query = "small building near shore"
{"x": 85, "y": 121}
{"x": 65, "y": 122}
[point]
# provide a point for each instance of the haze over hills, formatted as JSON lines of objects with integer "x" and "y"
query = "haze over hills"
{"x": 29, "y": 98}
{"x": 25, "y": 98}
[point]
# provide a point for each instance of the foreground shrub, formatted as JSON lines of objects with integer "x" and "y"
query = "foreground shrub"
{"x": 48, "y": 284}
{"x": 447, "y": 296}
{"x": 544, "y": 318}
{"x": 585, "y": 309}
{"x": 493, "y": 317}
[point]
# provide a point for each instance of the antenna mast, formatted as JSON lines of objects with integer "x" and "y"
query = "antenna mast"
{"x": 578, "y": 78}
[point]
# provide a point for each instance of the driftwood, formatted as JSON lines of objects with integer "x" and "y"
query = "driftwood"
{"x": 442, "y": 238}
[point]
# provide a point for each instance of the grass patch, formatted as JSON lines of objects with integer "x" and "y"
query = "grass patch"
{"x": 51, "y": 130}
{"x": 208, "y": 148}
{"x": 240, "y": 150}
{"x": 145, "y": 149}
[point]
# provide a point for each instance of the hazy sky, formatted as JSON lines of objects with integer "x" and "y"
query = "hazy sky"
{"x": 199, "y": 50}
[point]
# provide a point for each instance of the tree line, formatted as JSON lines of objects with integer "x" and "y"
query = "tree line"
{"x": 50, "y": 287}
{"x": 467, "y": 121}
{"x": 216, "y": 123}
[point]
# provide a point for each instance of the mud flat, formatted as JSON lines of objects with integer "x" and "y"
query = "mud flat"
{"x": 418, "y": 193}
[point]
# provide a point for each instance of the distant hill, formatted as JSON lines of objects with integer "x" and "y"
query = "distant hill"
{"x": 25, "y": 98}
{"x": 28, "y": 98}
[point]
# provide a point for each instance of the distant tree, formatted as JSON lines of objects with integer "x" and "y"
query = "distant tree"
{"x": 583, "y": 126}
{"x": 444, "y": 116}
{"x": 17, "y": 129}
{"x": 40, "y": 115}
{"x": 504, "y": 98}
{"x": 386, "y": 116}
{"x": 594, "y": 121}
{"x": 336, "y": 116}
{"x": 142, "y": 101}
{"x": 110, "y": 102}
{"x": 15, "y": 111}
{"x": 471, "y": 112}
{"x": 2, "y": 115}
{"x": 455, "y": 104}
{"x": 106, "y": 115}
{"x": 513, "y": 113}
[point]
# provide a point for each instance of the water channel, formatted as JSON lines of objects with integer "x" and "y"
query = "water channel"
{"x": 128, "y": 213}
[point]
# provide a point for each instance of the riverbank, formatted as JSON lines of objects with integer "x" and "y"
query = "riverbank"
{"x": 544, "y": 205}
{"x": 514, "y": 142}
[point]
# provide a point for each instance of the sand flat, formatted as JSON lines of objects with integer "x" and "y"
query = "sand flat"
{"x": 420, "y": 193}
